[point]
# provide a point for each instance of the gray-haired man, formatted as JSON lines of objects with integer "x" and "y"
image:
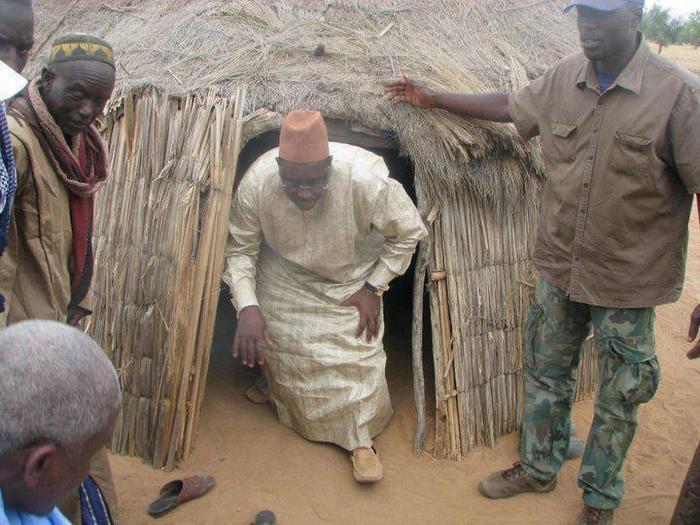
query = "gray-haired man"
{"x": 59, "y": 399}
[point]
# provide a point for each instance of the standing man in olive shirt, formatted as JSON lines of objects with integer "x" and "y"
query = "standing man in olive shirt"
{"x": 620, "y": 131}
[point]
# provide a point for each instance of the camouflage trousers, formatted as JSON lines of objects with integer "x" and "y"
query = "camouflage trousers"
{"x": 628, "y": 375}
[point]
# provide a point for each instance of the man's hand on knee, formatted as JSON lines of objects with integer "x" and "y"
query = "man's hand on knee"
{"x": 369, "y": 306}
{"x": 252, "y": 337}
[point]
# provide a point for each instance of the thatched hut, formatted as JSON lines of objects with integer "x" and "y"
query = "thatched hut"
{"x": 200, "y": 82}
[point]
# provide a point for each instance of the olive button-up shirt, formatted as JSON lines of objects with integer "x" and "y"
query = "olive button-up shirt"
{"x": 621, "y": 170}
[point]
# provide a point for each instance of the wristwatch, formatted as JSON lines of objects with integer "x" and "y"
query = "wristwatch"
{"x": 376, "y": 291}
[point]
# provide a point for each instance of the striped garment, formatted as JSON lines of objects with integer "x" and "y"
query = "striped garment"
{"x": 93, "y": 508}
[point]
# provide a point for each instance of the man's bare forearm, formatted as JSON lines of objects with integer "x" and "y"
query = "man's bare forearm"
{"x": 487, "y": 106}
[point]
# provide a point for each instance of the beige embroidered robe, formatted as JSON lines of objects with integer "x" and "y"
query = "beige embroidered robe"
{"x": 299, "y": 266}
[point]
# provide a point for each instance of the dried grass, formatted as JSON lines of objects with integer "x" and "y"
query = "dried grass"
{"x": 160, "y": 232}
{"x": 476, "y": 45}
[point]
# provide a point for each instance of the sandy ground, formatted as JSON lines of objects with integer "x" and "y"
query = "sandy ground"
{"x": 259, "y": 464}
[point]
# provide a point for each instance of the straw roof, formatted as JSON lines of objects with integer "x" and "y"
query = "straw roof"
{"x": 271, "y": 48}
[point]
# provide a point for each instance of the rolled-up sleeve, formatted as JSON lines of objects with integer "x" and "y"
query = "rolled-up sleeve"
{"x": 397, "y": 219}
{"x": 526, "y": 106}
{"x": 685, "y": 137}
{"x": 243, "y": 246}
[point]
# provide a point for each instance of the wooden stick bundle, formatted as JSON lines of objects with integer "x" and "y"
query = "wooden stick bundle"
{"x": 161, "y": 229}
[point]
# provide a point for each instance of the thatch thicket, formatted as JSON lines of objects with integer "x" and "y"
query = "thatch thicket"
{"x": 184, "y": 46}
{"x": 159, "y": 242}
{"x": 173, "y": 132}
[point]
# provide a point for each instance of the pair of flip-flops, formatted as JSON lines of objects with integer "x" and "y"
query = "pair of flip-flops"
{"x": 177, "y": 492}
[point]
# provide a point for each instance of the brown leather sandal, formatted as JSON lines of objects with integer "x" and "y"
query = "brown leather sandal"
{"x": 256, "y": 395}
{"x": 366, "y": 465}
{"x": 180, "y": 491}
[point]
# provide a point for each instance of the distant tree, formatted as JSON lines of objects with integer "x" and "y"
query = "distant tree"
{"x": 690, "y": 34}
{"x": 659, "y": 26}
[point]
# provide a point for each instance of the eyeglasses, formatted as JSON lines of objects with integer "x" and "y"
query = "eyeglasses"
{"x": 316, "y": 185}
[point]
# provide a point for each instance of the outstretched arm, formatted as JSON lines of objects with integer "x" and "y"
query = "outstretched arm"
{"x": 484, "y": 106}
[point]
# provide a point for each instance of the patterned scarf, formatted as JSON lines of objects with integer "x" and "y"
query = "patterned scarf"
{"x": 83, "y": 169}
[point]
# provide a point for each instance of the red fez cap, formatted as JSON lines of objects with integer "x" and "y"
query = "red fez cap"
{"x": 304, "y": 137}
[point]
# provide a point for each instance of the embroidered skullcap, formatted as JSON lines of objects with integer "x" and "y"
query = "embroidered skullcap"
{"x": 79, "y": 46}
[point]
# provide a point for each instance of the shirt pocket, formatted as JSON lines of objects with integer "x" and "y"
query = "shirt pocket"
{"x": 563, "y": 142}
{"x": 631, "y": 155}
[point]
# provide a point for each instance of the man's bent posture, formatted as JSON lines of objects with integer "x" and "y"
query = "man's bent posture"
{"x": 318, "y": 231}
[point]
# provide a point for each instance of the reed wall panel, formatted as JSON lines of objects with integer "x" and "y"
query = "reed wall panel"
{"x": 160, "y": 230}
{"x": 479, "y": 311}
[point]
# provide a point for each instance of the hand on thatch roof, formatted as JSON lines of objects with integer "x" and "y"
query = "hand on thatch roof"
{"x": 410, "y": 92}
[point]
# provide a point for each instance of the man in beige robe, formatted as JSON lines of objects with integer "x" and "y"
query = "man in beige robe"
{"x": 317, "y": 233}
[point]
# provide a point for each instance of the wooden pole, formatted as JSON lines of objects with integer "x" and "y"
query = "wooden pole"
{"x": 419, "y": 283}
{"x": 445, "y": 378}
{"x": 417, "y": 345}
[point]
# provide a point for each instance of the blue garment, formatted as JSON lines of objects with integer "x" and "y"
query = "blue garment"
{"x": 13, "y": 517}
{"x": 605, "y": 80}
{"x": 93, "y": 508}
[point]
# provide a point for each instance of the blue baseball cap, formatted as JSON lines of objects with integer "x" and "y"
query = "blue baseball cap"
{"x": 602, "y": 5}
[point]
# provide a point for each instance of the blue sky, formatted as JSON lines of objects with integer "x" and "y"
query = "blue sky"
{"x": 679, "y": 7}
